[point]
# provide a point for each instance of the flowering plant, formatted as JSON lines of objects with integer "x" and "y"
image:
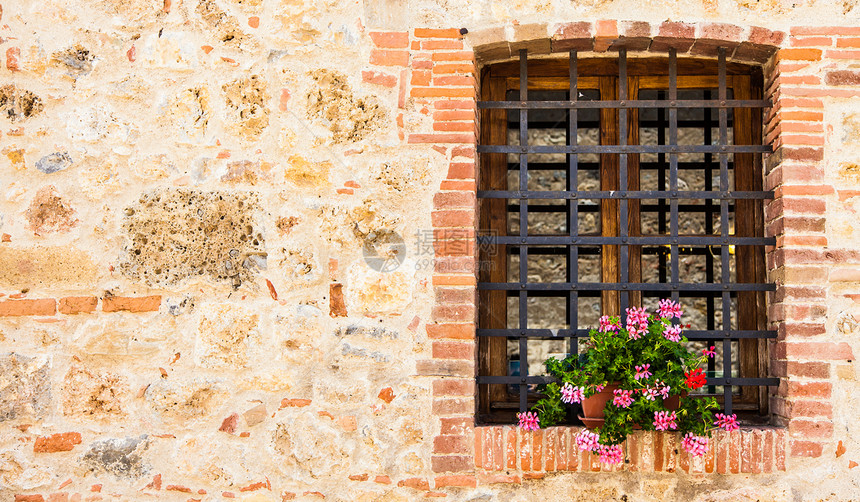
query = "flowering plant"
{"x": 648, "y": 365}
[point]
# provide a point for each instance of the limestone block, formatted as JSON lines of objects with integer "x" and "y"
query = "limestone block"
{"x": 25, "y": 387}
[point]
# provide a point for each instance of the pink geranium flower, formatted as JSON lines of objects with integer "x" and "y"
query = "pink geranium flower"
{"x": 669, "y": 309}
{"x": 696, "y": 446}
{"x": 665, "y": 420}
{"x": 672, "y": 333}
{"x": 571, "y": 394}
{"x": 637, "y": 322}
{"x": 587, "y": 440}
{"x": 611, "y": 454}
{"x": 528, "y": 421}
{"x": 710, "y": 352}
{"x": 623, "y": 398}
{"x": 642, "y": 372}
{"x": 727, "y": 422}
{"x": 609, "y": 324}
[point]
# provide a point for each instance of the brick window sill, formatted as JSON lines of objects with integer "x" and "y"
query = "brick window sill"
{"x": 509, "y": 454}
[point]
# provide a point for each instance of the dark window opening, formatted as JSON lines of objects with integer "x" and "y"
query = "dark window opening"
{"x": 609, "y": 183}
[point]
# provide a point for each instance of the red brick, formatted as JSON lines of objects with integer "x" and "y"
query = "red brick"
{"x": 635, "y": 29}
{"x": 806, "y": 449}
{"x": 450, "y": 444}
{"x": 294, "y": 403}
{"x": 451, "y": 463}
{"x": 453, "y": 331}
{"x": 456, "y": 296}
{"x": 131, "y": 304}
{"x": 491, "y": 479}
{"x": 416, "y": 483}
{"x": 441, "y": 138}
{"x": 337, "y": 304}
{"x": 819, "y": 351}
{"x": 808, "y": 370}
{"x": 384, "y": 480}
{"x": 461, "y": 481}
{"x": 390, "y": 40}
{"x": 454, "y": 104}
{"x": 722, "y": 31}
{"x": 442, "y": 92}
{"x": 378, "y": 78}
{"x": 452, "y": 200}
{"x": 454, "y": 280}
{"x": 46, "y": 306}
{"x": 453, "y": 218}
{"x": 809, "y": 409}
{"x": 454, "y": 68}
{"x": 844, "y": 77}
{"x": 358, "y": 477}
{"x": 573, "y": 30}
{"x": 454, "y": 127}
{"x": 382, "y": 57}
{"x": 826, "y": 30}
{"x": 453, "y": 56}
{"x": 454, "y": 350}
{"x": 29, "y": 498}
{"x": 13, "y": 59}
{"x": 765, "y": 36}
{"x": 848, "y": 42}
{"x": 455, "y": 80}
{"x": 454, "y": 115}
{"x": 677, "y": 30}
{"x": 437, "y": 33}
{"x": 453, "y": 313}
{"x": 459, "y": 425}
{"x": 64, "y": 441}
{"x": 78, "y": 304}
{"x": 811, "y": 42}
{"x": 809, "y": 389}
{"x": 420, "y": 77}
{"x": 434, "y": 45}
{"x": 799, "y": 54}
{"x": 444, "y": 368}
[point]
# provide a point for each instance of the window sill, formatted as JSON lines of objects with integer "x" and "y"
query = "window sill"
{"x": 508, "y": 450}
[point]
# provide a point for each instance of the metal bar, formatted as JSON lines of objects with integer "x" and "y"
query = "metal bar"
{"x": 673, "y": 169}
{"x": 624, "y": 250}
{"x": 593, "y": 166}
{"x": 645, "y": 208}
{"x": 724, "y": 232}
{"x": 632, "y": 103}
{"x": 617, "y": 194}
{"x": 537, "y": 380}
{"x": 636, "y": 241}
{"x": 626, "y": 286}
{"x": 690, "y": 334}
{"x": 625, "y": 149}
{"x": 524, "y": 230}
{"x": 573, "y": 217}
{"x": 709, "y": 229}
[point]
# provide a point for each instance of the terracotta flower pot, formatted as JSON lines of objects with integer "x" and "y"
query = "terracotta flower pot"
{"x": 592, "y": 407}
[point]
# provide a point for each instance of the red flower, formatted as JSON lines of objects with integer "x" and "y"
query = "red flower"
{"x": 695, "y": 379}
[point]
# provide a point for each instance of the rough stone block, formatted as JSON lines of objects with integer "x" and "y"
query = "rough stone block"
{"x": 25, "y": 387}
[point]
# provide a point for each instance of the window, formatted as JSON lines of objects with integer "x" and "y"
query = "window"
{"x": 608, "y": 183}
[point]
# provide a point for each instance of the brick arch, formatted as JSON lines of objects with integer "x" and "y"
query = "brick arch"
{"x": 751, "y": 44}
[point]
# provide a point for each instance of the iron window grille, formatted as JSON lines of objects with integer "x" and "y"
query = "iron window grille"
{"x": 590, "y": 201}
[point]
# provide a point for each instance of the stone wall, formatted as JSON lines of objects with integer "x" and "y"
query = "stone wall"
{"x": 238, "y": 253}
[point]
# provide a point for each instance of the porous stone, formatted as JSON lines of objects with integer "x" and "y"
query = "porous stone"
{"x": 54, "y": 162}
{"x": 225, "y": 335}
{"x": 39, "y": 266}
{"x": 178, "y": 234}
{"x": 19, "y": 104}
{"x": 246, "y": 100}
{"x": 48, "y": 212}
{"x": 193, "y": 398}
{"x": 94, "y": 394}
{"x": 122, "y": 457}
{"x": 332, "y": 102}
{"x": 312, "y": 446}
{"x": 25, "y": 386}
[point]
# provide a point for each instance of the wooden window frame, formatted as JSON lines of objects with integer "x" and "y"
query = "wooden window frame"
{"x": 602, "y": 75}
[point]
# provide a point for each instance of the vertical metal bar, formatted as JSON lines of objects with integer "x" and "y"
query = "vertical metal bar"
{"x": 661, "y": 184}
{"x": 524, "y": 230}
{"x": 573, "y": 205}
{"x": 724, "y": 232}
{"x": 673, "y": 169}
{"x": 622, "y": 178}
{"x": 709, "y": 230}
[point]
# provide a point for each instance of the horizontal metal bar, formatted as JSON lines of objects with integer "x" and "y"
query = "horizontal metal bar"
{"x": 619, "y": 194}
{"x": 550, "y": 334}
{"x": 594, "y": 124}
{"x": 633, "y": 241}
{"x": 594, "y": 166}
{"x": 537, "y": 380}
{"x": 625, "y": 286}
{"x": 625, "y": 149}
{"x": 595, "y": 251}
{"x": 586, "y": 207}
{"x": 628, "y": 103}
